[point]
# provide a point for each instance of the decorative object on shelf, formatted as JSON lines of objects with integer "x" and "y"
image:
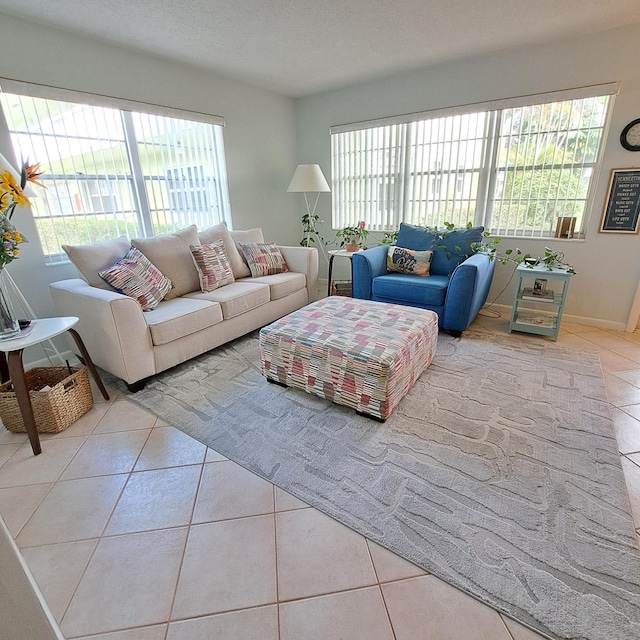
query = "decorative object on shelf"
{"x": 351, "y": 237}
{"x": 13, "y": 193}
{"x": 308, "y": 178}
{"x": 622, "y": 211}
{"x": 630, "y": 136}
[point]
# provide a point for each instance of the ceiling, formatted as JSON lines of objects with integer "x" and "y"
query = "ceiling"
{"x": 302, "y": 47}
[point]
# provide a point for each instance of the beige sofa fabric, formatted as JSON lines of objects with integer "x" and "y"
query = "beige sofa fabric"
{"x": 236, "y": 298}
{"x": 221, "y": 232}
{"x": 181, "y": 317}
{"x": 89, "y": 259}
{"x": 171, "y": 254}
{"x": 282, "y": 284}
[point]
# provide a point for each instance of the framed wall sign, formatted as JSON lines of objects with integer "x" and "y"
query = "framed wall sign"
{"x": 622, "y": 210}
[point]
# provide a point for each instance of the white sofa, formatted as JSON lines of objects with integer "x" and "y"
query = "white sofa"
{"x": 134, "y": 345}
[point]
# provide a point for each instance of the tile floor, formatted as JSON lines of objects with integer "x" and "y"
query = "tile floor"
{"x": 135, "y": 531}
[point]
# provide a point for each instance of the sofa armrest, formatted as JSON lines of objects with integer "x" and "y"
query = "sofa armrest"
{"x": 467, "y": 292}
{"x": 112, "y": 327}
{"x": 304, "y": 260}
{"x": 367, "y": 265}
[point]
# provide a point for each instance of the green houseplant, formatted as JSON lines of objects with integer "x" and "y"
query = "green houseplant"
{"x": 351, "y": 237}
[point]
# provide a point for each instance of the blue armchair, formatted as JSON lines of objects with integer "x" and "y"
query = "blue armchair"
{"x": 456, "y": 288}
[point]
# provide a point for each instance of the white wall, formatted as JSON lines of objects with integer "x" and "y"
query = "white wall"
{"x": 23, "y": 611}
{"x": 608, "y": 265}
{"x": 259, "y": 136}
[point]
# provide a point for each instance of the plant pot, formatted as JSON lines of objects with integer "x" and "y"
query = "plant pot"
{"x": 352, "y": 246}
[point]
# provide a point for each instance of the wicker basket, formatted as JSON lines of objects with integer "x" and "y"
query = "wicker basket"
{"x": 341, "y": 288}
{"x": 54, "y": 409}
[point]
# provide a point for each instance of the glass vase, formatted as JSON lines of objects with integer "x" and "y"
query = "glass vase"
{"x": 9, "y": 326}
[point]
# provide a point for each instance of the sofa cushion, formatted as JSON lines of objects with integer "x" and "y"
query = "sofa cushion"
{"x": 88, "y": 259}
{"x": 136, "y": 277}
{"x": 171, "y": 254}
{"x": 448, "y": 252}
{"x": 220, "y": 232}
{"x": 430, "y": 292}
{"x": 282, "y": 285}
{"x": 264, "y": 259}
{"x": 180, "y": 317}
{"x": 415, "y": 263}
{"x": 214, "y": 268}
{"x": 237, "y": 298}
{"x": 246, "y": 235}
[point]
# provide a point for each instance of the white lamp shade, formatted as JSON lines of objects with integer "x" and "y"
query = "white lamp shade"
{"x": 308, "y": 178}
{"x": 5, "y": 165}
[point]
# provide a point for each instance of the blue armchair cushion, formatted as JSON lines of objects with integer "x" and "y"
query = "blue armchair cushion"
{"x": 429, "y": 292}
{"x": 448, "y": 252}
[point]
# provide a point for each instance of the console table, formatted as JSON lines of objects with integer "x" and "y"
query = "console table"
{"x": 537, "y": 310}
{"x": 11, "y": 366}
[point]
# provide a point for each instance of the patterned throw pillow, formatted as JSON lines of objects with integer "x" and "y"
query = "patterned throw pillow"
{"x": 263, "y": 259}
{"x": 137, "y": 278}
{"x": 415, "y": 263}
{"x": 213, "y": 265}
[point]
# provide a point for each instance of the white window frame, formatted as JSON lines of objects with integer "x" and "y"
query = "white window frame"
{"x": 357, "y": 148}
{"x": 141, "y": 207}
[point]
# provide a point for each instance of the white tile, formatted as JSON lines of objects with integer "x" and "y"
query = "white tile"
{"x": 130, "y": 582}
{"x": 356, "y": 615}
{"x": 7, "y": 450}
{"x": 155, "y": 632}
{"x": 25, "y": 468}
{"x": 57, "y": 568}
{"x": 317, "y": 555}
{"x": 156, "y": 499}
{"x": 390, "y": 566}
{"x": 520, "y": 632}
{"x": 169, "y": 447}
{"x": 73, "y": 510}
{"x": 260, "y": 623}
{"x": 17, "y": 504}
{"x": 238, "y": 557}
{"x": 426, "y": 607}
{"x": 107, "y": 453}
{"x": 286, "y": 502}
{"x": 229, "y": 491}
{"x": 627, "y": 431}
{"x": 214, "y": 456}
{"x": 123, "y": 415}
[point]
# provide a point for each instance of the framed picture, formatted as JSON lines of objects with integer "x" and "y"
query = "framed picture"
{"x": 540, "y": 286}
{"x": 622, "y": 210}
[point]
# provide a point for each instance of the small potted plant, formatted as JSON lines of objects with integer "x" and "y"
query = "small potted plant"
{"x": 351, "y": 237}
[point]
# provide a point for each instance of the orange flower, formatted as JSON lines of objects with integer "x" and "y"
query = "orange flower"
{"x": 30, "y": 173}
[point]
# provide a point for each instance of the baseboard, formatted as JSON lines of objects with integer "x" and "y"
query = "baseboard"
{"x": 505, "y": 312}
{"x": 44, "y": 362}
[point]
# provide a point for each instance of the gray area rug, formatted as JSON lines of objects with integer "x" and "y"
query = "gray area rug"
{"x": 498, "y": 472}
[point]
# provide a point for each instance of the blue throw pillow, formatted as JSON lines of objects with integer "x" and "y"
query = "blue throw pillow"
{"x": 448, "y": 252}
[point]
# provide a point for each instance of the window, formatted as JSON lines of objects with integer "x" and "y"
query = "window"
{"x": 111, "y": 171}
{"x": 515, "y": 169}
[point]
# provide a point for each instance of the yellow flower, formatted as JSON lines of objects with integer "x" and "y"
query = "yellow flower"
{"x": 10, "y": 186}
{"x": 6, "y": 235}
{"x": 15, "y": 253}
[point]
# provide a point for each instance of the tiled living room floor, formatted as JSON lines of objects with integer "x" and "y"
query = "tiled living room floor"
{"x": 135, "y": 531}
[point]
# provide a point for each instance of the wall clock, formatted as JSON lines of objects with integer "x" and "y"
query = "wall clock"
{"x": 630, "y": 136}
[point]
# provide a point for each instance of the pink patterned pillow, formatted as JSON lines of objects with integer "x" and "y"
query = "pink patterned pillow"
{"x": 213, "y": 265}
{"x": 136, "y": 277}
{"x": 263, "y": 259}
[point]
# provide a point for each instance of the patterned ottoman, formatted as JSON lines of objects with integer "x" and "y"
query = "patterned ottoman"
{"x": 361, "y": 354}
